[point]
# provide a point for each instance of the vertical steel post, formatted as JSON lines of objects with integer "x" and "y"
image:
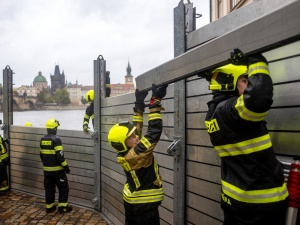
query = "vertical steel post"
{"x": 7, "y": 107}
{"x": 179, "y": 121}
{"x": 183, "y": 23}
{"x": 99, "y": 90}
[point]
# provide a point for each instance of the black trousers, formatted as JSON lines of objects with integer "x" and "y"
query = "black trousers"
{"x": 149, "y": 217}
{"x": 3, "y": 176}
{"x": 275, "y": 217}
{"x": 60, "y": 181}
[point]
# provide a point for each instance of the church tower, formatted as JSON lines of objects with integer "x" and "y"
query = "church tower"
{"x": 128, "y": 77}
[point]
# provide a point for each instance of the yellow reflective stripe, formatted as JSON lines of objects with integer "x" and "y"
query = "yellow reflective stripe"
{"x": 143, "y": 196}
{"x": 256, "y": 196}
{"x": 245, "y": 147}
{"x": 64, "y": 163}
{"x": 156, "y": 173}
{"x": 260, "y": 67}
{"x": 246, "y": 114}
{"x": 49, "y": 206}
{"x": 86, "y": 116}
{"x": 135, "y": 179}
{"x": 4, "y": 156}
{"x": 58, "y": 148}
{"x": 93, "y": 116}
{"x": 47, "y": 152}
{"x": 4, "y": 188}
{"x": 154, "y": 116}
{"x": 53, "y": 168}
{"x": 124, "y": 164}
{"x": 62, "y": 204}
{"x": 145, "y": 142}
{"x": 108, "y": 85}
{"x": 137, "y": 119}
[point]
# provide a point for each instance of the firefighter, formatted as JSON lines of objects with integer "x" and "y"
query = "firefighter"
{"x": 55, "y": 168}
{"x": 253, "y": 189}
{"x": 143, "y": 191}
{"x": 4, "y": 162}
{"x": 89, "y": 112}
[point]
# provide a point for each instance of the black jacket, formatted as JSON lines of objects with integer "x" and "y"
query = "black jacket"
{"x": 52, "y": 156}
{"x": 143, "y": 188}
{"x": 239, "y": 135}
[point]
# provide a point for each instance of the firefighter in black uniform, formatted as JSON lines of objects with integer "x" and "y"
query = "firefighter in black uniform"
{"x": 4, "y": 161}
{"x": 143, "y": 190}
{"x": 55, "y": 168}
{"x": 253, "y": 189}
{"x": 89, "y": 112}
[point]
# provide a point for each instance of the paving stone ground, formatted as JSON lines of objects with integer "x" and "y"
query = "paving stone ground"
{"x": 19, "y": 209}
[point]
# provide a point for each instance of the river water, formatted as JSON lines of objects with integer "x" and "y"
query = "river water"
{"x": 68, "y": 119}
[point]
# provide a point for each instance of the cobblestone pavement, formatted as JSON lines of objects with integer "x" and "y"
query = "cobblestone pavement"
{"x": 18, "y": 208}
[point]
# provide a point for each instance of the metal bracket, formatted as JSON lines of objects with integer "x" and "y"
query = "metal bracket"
{"x": 94, "y": 135}
{"x": 172, "y": 150}
{"x": 95, "y": 201}
{"x": 3, "y": 127}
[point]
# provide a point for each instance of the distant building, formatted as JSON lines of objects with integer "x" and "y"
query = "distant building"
{"x": 128, "y": 87}
{"x": 40, "y": 82}
{"x": 220, "y": 8}
{"x": 57, "y": 80}
{"x": 27, "y": 91}
{"x": 74, "y": 91}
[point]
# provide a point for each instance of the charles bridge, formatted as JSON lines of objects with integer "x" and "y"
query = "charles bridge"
{"x": 23, "y": 103}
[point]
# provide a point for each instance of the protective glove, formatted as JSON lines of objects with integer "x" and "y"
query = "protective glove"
{"x": 157, "y": 94}
{"x": 85, "y": 128}
{"x": 67, "y": 169}
{"x": 139, "y": 100}
{"x": 108, "y": 89}
{"x": 237, "y": 57}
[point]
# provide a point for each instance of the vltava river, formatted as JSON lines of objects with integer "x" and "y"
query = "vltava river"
{"x": 68, "y": 119}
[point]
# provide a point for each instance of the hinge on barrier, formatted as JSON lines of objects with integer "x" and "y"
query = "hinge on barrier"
{"x": 94, "y": 135}
{"x": 172, "y": 150}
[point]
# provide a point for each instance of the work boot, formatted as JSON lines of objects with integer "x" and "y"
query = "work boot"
{"x": 52, "y": 209}
{"x": 63, "y": 210}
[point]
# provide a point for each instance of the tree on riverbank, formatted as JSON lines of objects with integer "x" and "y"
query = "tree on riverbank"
{"x": 61, "y": 96}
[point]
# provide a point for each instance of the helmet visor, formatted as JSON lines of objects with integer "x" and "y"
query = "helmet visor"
{"x": 130, "y": 127}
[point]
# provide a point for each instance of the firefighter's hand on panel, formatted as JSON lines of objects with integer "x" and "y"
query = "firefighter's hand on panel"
{"x": 139, "y": 104}
{"x": 108, "y": 89}
{"x": 158, "y": 93}
{"x": 237, "y": 57}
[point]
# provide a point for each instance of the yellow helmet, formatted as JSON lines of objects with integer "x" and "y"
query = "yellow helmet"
{"x": 28, "y": 124}
{"x": 90, "y": 96}
{"x": 118, "y": 134}
{"x": 52, "y": 124}
{"x": 224, "y": 78}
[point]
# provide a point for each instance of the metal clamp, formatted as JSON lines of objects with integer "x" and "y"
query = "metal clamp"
{"x": 95, "y": 201}
{"x": 94, "y": 135}
{"x": 172, "y": 150}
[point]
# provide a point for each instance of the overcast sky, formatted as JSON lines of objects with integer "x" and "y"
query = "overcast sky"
{"x": 36, "y": 35}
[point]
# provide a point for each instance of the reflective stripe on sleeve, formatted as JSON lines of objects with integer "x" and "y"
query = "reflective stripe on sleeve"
{"x": 137, "y": 119}
{"x": 154, "y": 116}
{"x": 246, "y": 114}
{"x": 145, "y": 142}
{"x": 260, "y": 67}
